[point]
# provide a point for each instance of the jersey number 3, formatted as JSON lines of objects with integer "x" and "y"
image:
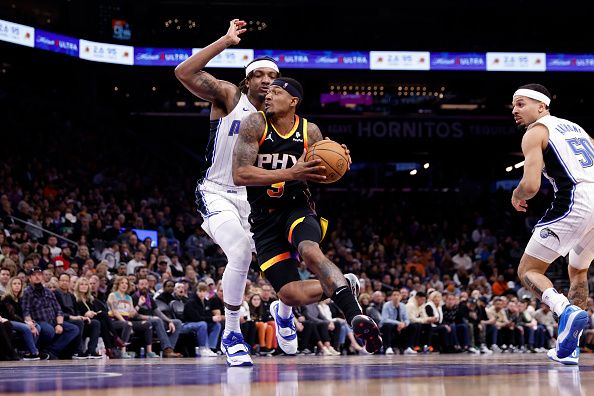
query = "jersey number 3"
{"x": 276, "y": 190}
{"x": 584, "y": 148}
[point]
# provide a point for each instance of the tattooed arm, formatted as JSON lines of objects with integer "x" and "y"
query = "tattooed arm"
{"x": 245, "y": 155}
{"x": 222, "y": 94}
{"x": 313, "y": 133}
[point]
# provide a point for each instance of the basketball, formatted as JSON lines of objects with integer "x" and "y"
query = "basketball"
{"x": 333, "y": 157}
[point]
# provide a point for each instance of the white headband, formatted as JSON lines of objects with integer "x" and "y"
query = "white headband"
{"x": 532, "y": 94}
{"x": 260, "y": 64}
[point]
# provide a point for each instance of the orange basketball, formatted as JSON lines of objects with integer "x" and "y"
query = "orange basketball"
{"x": 333, "y": 157}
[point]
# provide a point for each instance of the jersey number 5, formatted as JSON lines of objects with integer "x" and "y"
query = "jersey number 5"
{"x": 583, "y": 147}
{"x": 276, "y": 190}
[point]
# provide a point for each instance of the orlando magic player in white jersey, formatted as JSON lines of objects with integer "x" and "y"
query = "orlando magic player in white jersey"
{"x": 222, "y": 204}
{"x": 564, "y": 153}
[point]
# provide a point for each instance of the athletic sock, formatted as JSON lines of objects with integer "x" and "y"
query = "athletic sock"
{"x": 346, "y": 302}
{"x": 231, "y": 322}
{"x": 555, "y": 300}
{"x": 284, "y": 310}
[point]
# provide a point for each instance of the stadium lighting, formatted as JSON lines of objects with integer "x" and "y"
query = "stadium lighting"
{"x": 413, "y": 172}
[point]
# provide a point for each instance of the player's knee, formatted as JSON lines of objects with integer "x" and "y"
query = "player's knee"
{"x": 291, "y": 295}
{"x": 580, "y": 262}
{"x": 240, "y": 254}
{"x": 310, "y": 252}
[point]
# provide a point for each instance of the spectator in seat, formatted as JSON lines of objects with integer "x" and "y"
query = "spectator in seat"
{"x": 40, "y": 306}
{"x": 455, "y": 316}
{"x": 146, "y": 305}
{"x": 420, "y": 323}
{"x": 10, "y": 308}
{"x": 199, "y": 319}
{"x": 92, "y": 308}
{"x": 394, "y": 325}
{"x": 86, "y": 326}
{"x": 125, "y": 318}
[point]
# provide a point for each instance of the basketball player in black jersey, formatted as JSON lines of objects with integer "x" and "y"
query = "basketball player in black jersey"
{"x": 268, "y": 158}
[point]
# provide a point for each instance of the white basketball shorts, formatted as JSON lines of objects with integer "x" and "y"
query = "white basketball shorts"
{"x": 570, "y": 230}
{"x": 218, "y": 204}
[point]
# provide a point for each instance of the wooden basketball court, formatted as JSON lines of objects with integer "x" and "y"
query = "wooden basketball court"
{"x": 434, "y": 375}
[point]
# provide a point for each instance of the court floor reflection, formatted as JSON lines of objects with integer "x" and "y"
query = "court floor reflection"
{"x": 319, "y": 376}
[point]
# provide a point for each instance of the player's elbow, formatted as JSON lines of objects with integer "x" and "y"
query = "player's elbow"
{"x": 531, "y": 187}
{"x": 179, "y": 73}
{"x": 182, "y": 73}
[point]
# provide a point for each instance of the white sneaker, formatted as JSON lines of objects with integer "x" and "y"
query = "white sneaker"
{"x": 473, "y": 350}
{"x": 286, "y": 333}
{"x": 486, "y": 350}
{"x": 389, "y": 351}
{"x": 207, "y": 352}
{"x": 237, "y": 351}
{"x": 570, "y": 360}
{"x": 333, "y": 351}
{"x": 410, "y": 351}
{"x": 326, "y": 352}
{"x": 495, "y": 348}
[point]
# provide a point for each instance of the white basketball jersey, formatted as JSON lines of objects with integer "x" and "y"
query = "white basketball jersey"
{"x": 223, "y": 135}
{"x": 569, "y": 157}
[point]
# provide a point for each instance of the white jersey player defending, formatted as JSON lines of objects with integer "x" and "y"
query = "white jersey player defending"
{"x": 564, "y": 153}
{"x": 222, "y": 204}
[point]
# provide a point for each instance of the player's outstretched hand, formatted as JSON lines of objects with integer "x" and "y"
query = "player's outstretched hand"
{"x": 236, "y": 27}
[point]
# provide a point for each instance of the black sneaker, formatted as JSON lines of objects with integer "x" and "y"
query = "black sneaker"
{"x": 80, "y": 356}
{"x": 31, "y": 356}
{"x": 44, "y": 356}
{"x": 94, "y": 355}
{"x": 365, "y": 328}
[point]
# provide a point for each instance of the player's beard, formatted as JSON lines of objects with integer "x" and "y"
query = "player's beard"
{"x": 269, "y": 114}
{"x": 521, "y": 128}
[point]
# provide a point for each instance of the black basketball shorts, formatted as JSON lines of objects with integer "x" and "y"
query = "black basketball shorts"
{"x": 277, "y": 235}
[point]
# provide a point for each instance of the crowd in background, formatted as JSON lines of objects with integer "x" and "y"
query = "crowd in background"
{"x": 437, "y": 268}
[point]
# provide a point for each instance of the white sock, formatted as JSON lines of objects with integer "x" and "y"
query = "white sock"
{"x": 555, "y": 300}
{"x": 231, "y": 322}
{"x": 284, "y": 310}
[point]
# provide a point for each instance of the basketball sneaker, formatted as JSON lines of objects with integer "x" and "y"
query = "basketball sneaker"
{"x": 365, "y": 328}
{"x": 570, "y": 360}
{"x": 237, "y": 351}
{"x": 354, "y": 283}
{"x": 355, "y": 286}
{"x": 571, "y": 323}
{"x": 286, "y": 333}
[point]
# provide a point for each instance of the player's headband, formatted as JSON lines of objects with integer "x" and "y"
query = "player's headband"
{"x": 293, "y": 91}
{"x": 532, "y": 94}
{"x": 260, "y": 63}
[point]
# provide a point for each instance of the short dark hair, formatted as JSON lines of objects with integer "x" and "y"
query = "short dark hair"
{"x": 421, "y": 294}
